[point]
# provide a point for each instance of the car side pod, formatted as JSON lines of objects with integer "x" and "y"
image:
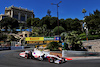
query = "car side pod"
{"x": 22, "y": 54}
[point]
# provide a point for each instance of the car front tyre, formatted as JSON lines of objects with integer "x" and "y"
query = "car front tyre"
{"x": 40, "y": 58}
{"x": 27, "y": 56}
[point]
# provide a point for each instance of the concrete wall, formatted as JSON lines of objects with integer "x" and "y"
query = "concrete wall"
{"x": 94, "y": 44}
{"x": 93, "y": 51}
{"x": 66, "y": 53}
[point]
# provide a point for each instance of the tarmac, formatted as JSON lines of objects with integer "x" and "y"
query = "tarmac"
{"x": 77, "y": 58}
{"x": 68, "y": 58}
{"x": 82, "y": 58}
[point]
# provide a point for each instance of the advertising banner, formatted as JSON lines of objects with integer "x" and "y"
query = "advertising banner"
{"x": 42, "y": 38}
{"x": 52, "y": 38}
{"x": 57, "y": 38}
{"x": 1, "y": 42}
{"x": 34, "y": 39}
{"x": 48, "y": 38}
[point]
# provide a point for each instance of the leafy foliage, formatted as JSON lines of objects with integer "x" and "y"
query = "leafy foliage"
{"x": 84, "y": 11}
{"x": 73, "y": 41}
{"x": 28, "y": 22}
{"x": 93, "y": 21}
{"x": 3, "y": 37}
{"x": 65, "y": 47}
{"x": 61, "y": 29}
{"x": 9, "y": 22}
{"x": 35, "y": 22}
{"x": 11, "y": 38}
{"x": 53, "y": 46}
{"x": 48, "y": 12}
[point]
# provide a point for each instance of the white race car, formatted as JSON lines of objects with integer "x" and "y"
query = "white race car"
{"x": 40, "y": 55}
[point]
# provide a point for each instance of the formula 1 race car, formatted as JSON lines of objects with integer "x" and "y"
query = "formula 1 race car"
{"x": 40, "y": 55}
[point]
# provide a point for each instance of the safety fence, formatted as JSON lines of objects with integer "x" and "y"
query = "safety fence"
{"x": 12, "y": 48}
{"x": 66, "y": 53}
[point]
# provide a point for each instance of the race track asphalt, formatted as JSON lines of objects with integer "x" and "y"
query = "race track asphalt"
{"x": 12, "y": 59}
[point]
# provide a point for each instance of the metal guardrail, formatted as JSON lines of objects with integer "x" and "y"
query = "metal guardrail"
{"x": 12, "y": 48}
{"x": 66, "y": 53}
{"x": 5, "y": 48}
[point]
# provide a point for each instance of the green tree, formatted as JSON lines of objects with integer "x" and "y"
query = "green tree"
{"x": 45, "y": 20}
{"x": 51, "y": 22}
{"x": 53, "y": 46}
{"x": 61, "y": 29}
{"x": 63, "y": 35}
{"x": 68, "y": 24}
{"x": 75, "y": 25}
{"x": 84, "y": 11}
{"x": 62, "y": 23}
{"x": 35, "y": 31}
{"x": 97, "y": 12}
{"x": 93, "y": 20}
{"x": 9, "y": 22}
{"x": 3, "y": 37}
{"x": 48, "y": 13}
{"x": 35, "y": 22}
{"x": 21, "y": 25}
{"x": 44, "y": 29}
{"x": 65, "y": 47}
{"x": 28, "y": 22}
{"x": 73, "y": 41}
{"x": 11, "y": 38}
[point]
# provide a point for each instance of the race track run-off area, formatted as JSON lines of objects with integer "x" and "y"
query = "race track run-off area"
{"x": 12, "y": 59}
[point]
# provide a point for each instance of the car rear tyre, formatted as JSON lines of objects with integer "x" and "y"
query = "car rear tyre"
{"x": 63, "y": 60}
{"x": 51, "y": 60}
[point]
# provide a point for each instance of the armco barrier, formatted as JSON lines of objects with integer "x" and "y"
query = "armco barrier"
{"x": 17, "y": 48}
{"x": 66, "y": 53}
{"x": 1, "y": 48}
{"x": 5, "y": 48}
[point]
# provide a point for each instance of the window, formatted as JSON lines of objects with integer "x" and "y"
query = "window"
{"x": 25, "y": 35}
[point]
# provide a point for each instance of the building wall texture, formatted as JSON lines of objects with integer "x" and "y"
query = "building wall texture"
{"x": 19, "y": 13}
{"x": 93, "y": 44}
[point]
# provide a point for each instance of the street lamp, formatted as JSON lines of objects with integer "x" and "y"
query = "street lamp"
{"x": 86, "y": 30}
{"x": 57, "y": 16}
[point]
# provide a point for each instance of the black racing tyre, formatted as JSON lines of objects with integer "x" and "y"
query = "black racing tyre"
{"x": 27, "y": 56}
{"x": 63, "y": 60}
{"x": 32, "y": 57}
{"x": 40, "y": 58}
{"x": 51, "y": 60}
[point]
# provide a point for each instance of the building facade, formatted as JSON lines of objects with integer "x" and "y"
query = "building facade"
{"x": 19, "y": 13}
{"x": 2, "y": 16}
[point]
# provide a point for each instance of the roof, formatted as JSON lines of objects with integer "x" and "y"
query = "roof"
{"x": 3, "y": 15}
{"x": 19, "y": 8}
